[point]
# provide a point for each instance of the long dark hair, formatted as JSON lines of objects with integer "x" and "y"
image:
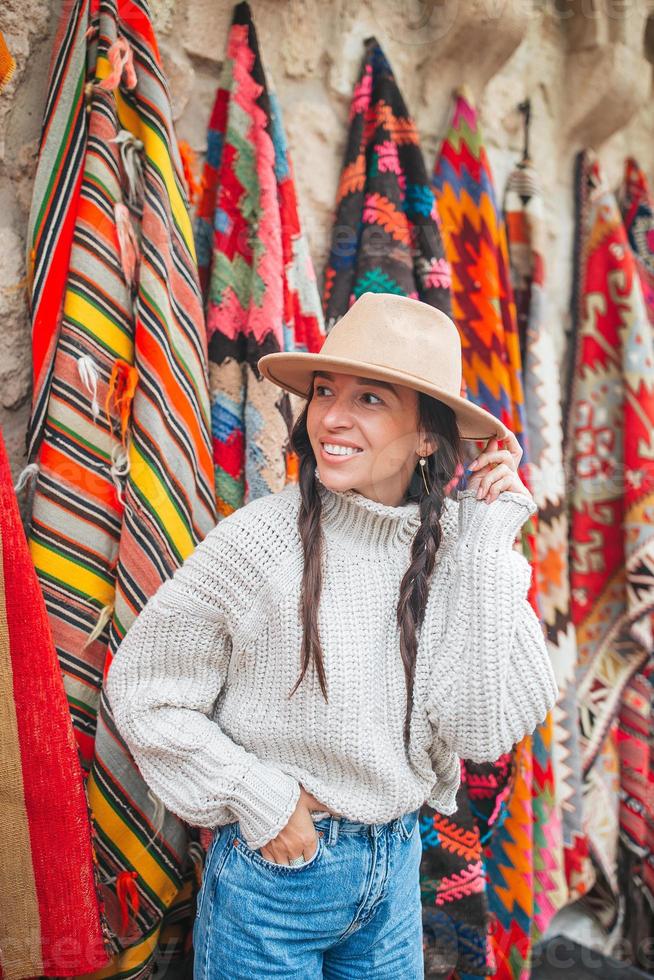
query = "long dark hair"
{"x": 437, "y": 421}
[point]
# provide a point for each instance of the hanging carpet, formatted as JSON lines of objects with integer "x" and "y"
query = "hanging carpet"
{"x": 610, "y": 462}
{"x": 636, "y": 723}
{"x": 386, "y": 237}
{"x": 50, "y": 918}
{"x": 565, "y": 874}
{"x": 520, "y": 861}
{"x": 259, "y": 285}
{"x": 637, "y": 209}
{"x": 120, "y": 452}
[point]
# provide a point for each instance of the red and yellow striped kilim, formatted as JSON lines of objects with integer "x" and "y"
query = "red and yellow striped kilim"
{"x": 120, "y": 429}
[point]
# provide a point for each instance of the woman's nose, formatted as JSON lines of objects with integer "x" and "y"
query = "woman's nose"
{"x": 339, "y": 412}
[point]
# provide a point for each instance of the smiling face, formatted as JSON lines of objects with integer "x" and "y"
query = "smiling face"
{"x": 364, "y": 435}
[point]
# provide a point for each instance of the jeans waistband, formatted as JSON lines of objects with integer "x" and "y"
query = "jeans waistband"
{"x": 403, "y": 825}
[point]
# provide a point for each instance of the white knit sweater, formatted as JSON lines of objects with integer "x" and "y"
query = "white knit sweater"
{"x": 199, "y": 685}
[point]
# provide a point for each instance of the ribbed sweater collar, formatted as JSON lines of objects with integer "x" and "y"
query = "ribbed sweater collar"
{"x": 366, "y": 526}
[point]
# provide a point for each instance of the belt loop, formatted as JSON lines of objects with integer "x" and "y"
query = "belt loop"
{"x": 332, "y": 835}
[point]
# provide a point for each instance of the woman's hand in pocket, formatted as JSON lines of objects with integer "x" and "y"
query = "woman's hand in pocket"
{"x": 298, "y": 837}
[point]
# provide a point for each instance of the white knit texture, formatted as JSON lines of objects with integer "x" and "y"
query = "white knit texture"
{"x": 199, "y": 686}
{"x": 491, "y": 678}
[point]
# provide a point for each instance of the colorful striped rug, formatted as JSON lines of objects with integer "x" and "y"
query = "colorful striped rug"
{"x": 560, "y": 845}
{"x": 610, "y": 462}
{"x": 55, "y": 200}
{"x": 50, "y": 919}
{"x": 260, "y": 289}
{"x": 385, "y": 236}
{"x": 483, "y": 307}
{"x": 120, "y": 432}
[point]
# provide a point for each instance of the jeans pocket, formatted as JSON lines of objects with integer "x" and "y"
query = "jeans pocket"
{"x": 257, "y": 858}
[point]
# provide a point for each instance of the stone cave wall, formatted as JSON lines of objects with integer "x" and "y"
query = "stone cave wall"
{"x": 585, "y": 65}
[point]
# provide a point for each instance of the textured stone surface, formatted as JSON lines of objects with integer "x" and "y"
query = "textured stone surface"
{"x": 15, "y": 364}
{"x": 301, "y": 60}
{"x": 316, "y": 136}
{"x": 181, "y": 78}
{"x": 586, "y": 68}
{"x": 27, "y": 27}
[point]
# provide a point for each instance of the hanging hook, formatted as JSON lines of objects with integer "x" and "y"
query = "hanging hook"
{"x": 525, "y": 109}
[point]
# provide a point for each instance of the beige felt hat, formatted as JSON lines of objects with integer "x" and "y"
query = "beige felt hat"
{"x": 390, "y": 338}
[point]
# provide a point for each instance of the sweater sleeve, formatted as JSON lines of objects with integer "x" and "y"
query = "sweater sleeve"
{"x": 491, "y": 680}
{"x": 164, "y": 680}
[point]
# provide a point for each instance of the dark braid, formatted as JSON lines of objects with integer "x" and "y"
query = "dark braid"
{"x": 310, "y": 528}
{"x": 437, "y": 421}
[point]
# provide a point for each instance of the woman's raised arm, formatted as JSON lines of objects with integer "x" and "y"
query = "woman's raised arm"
{"x": 491, "y": 680}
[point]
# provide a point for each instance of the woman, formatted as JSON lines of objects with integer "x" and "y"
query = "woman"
{"x": 317, "y": 668}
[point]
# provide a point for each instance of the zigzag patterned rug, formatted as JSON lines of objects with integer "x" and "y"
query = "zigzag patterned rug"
{"x": 562, "y": 873}
{"x": 610, "y": 459}
{"x": 259, "y": 286}
{"x": 385, "y": 237}
{"x": 637, "y": 210}
{"x": 484, "y": 310}
{"x": 636, "y": 731}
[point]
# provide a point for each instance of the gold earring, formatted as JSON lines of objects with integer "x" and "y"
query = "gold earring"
{"x": 423, "y": 464}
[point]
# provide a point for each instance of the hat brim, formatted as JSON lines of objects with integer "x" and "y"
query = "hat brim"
{"x": 293, "y": 372}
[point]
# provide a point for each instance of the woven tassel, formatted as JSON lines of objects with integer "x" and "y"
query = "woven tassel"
{"x": 119, "y": 469}
{"x": 26, "y": 475}
{"x": 127, "y": 242}
{"x": 121, "y": 60}
{"x": 127, "y": 892}
{"x": 131, "y": 147}
{"x": 88, "y": 373}
{"x": 105, "y": 615}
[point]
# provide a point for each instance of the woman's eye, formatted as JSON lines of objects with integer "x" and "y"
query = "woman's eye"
{"x": 319, "y": 389}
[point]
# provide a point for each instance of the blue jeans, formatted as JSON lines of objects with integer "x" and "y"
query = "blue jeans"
{"x": 352, "y": 910}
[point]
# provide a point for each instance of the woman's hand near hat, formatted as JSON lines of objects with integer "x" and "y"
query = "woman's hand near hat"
{"x": 496, "y": 469}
